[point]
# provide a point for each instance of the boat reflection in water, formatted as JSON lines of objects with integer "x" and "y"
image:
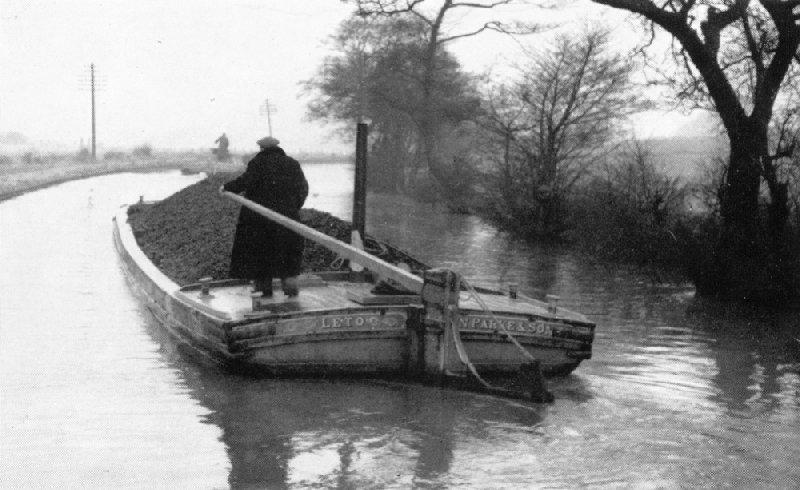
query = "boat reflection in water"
{"x": 350, "y": 433}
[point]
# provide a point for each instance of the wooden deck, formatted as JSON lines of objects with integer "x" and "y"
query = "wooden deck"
{"x": 522, "y": 305}
{"x": 235, "y": 301}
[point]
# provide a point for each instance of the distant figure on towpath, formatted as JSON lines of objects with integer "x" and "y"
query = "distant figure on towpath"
{"x": 222, "y": 150}
{"x": 263, "y": 250}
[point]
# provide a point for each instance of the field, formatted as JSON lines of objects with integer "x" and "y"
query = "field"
{"x": 22, "y": 173}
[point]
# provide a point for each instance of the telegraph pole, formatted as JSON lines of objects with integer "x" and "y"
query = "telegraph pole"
{"x": 93, "y": 84}
{"x": 267, "y": 109}
{"x": 94, "y": 135}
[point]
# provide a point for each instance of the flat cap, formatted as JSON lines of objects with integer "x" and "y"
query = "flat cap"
{"x": 267, "y": 142}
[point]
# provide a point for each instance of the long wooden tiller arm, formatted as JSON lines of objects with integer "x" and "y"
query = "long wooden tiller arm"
{"x": 380, "y": 267}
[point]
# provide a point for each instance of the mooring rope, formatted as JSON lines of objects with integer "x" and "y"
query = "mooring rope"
{"x": 508, "y": 334}
{"x": 462, "y": 354}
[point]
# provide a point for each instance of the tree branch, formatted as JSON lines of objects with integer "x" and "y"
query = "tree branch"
{"x": 785, "y": 52}
{"x": 646, "y": 9}
{"x": 755, "y": 52}
{"x": 684, "y": 11}
{"x": 784, "y": 151}
{"x": 485, "y": 26}
{"x": 704, "y": 59}
{"x": 717, "y": 20}
{"x": 481, "y": 5}
{"x": 365, "y": 8}
{"x": 494, "y": 26}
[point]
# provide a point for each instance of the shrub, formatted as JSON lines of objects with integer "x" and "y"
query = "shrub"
{"x": 114, "y": 155}
{"x": 635, "y": 213}
{"x": 83, "y": 154}
{"x": 30, "y": 157}
{"x": 143, "y": 151}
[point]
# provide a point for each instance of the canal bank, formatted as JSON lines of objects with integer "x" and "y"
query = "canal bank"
{"x": 20, "y": 177}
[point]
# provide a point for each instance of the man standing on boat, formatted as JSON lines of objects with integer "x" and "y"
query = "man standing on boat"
{"x": 263, "y": 250}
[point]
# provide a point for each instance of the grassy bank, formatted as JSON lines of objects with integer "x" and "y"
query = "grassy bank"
{"x": 189, "y": 235}
{"x": 23, "y": 173}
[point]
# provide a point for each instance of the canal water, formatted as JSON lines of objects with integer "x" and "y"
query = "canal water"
{"x": 679, "y": 392}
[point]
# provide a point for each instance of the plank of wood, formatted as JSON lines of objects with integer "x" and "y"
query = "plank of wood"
{"x": 382, "y": 299}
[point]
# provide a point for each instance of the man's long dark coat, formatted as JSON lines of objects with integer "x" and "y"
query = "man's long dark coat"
{"x": 261, "y": 248}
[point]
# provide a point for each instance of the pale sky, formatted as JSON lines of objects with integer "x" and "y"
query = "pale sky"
{"x": 176, "y": 74}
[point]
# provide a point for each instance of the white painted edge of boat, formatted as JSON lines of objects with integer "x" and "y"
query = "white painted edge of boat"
{"x": 161, "y": 280}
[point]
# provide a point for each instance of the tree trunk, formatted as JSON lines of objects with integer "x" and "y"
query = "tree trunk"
{"x": 739, "y": 253}
{"x": 748, "y": 257}
{"x": 778, "y": 209}
{"x": 429, "y": 122}
{"x": 428, "y": 128}
{"x": 548, "y": 194}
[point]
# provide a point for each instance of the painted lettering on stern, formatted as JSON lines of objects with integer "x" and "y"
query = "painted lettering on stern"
{"x": 363, "y": 321}
{"x": 539, "y": 328}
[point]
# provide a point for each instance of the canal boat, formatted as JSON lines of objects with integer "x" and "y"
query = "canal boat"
{"x": 433, "y": 326}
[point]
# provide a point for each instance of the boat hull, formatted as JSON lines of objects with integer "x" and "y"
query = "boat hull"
{"x": 336, "y": 336}
{"x": 342, "y": 341}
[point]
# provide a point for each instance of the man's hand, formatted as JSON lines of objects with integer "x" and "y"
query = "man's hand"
{"x": 221, "y": 189}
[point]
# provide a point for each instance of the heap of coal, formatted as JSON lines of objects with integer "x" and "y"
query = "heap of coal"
{"x": 189, "y": 235}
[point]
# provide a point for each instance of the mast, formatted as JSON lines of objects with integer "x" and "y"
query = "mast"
{"x": 360, "y": 190}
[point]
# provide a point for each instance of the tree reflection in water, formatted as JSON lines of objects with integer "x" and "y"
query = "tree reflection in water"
{"x": 754, "y": 354}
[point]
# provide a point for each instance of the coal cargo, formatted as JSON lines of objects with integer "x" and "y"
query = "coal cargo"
{"x": 189, "y": 234}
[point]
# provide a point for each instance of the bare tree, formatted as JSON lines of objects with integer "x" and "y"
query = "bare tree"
{"x": 375, "y": 72}
{"x": 645, "y": 188}
{"x": 437, "y": 38}
{"x": 343, "y": 87}
{"x": 505, "y": 118}
{"x": 737, "y": 54}
{"x": 633, "y": 211}
{"x": 563, "y": 115}
{"x": 785, "y": 136}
